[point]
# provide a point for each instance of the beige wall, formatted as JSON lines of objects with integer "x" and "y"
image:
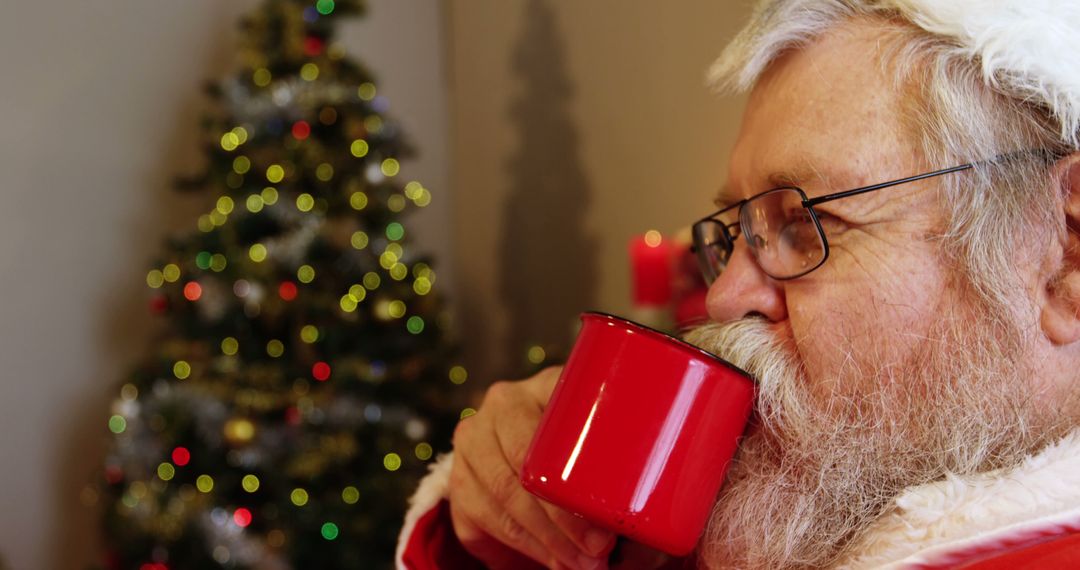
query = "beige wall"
{"x": 99, "y": 110}
{"x": 576, "y": 126}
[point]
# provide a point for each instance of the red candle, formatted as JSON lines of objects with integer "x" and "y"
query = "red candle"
{"x": 650, "y": 266}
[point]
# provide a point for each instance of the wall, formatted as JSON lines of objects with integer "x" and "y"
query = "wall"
{"x": 99, "y": 111}
{"x": 576, "y": 126}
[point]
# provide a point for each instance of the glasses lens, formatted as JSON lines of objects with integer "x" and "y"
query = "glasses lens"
{"x": 713, "y": 248}
{"x": 782, "y": 233}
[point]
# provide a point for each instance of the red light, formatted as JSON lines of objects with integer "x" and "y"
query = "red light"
{"x": 312, "y": 46}
{"x": 192, "y": 291}
{"x": 292, "y": 416}
{"x": 321, "y": 371}
{"x": 242, "y": 517}
{"x": 301, "y": 130}
{"x": 287, "y": 290}
{"x": 181, "y": 456}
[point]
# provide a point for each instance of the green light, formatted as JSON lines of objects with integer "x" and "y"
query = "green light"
{"x": 203, "y": 260}
{"x": 330, "y": 531}
{"x": 415, "y": 325}
{"x": 166, "y": 471}
{"x": 467, "y": 412}
{"x": 117, "y": 424}
{"x": 325, "y": 7}
{"x": 395, "y": 231}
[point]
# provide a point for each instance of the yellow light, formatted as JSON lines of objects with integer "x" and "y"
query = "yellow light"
{"x": 350, "y": 495}
{"x": 387, "y": 259}
{"x": 422, "y": 286}
{"x": 229, "y": 141}
{"x": 269, "y": 195}
{"x": 458, "y": 375}
{"x": 299, "y": 497}
{"x": 358, "y": 200}
{"x": 129, "y": 392}
{"x": 358, "y": 292}
{"x": 653, "y": 238}
{"x": 467, "y": 412}
{"x": 225, "y": 205}
{"x": 348, "y": 303}
{"x": 181, "y": 369}
{"x": 229, "y": 346}
{"x": 275, "y": 173}
{"x": 398, "y": 272}
{"x": 275, "y": 348}
{"x": 306, "y": 273}
{"x": 359, "y": 240}
{"x": 324, "y": 172}
{"x": 336, "y": 50}
{"x": 257, "y": 253}
{"x": 396, "y": 249}
{"x": 261, "y": 77}
{"x": 234, "y": 180}
{"x": 373, "y": 124}
{"x": 305, "y": 202}
{"x": 241, "y": 164}
{"x": 359, "y": 148}
{"x": 250, "y": 483}
{"x": 155, "y": 278}
{"x": 424, "y": 199}
{"x": 255, "y": 203}
{"x": 390, "y": 167}
{"x": 423, "y": 451}
{"x": 536, "y": 354}
{"x": 420, "y": 269}
{"x": 205, "y": 224}
{"x": 218, "y": 262}
{"x": 217, "y": 218}
{"x": 171, "y": 272}
{"x": 166, "y": 471}
{"x": 309, "y": 72}
{"x": 372, "y": 280}
{"x": 204, "y": 483}
{"x": 241, "y": 134}
{"x": 138, "y": 490}
{"x": 366, "y": 91}
{"x": 396, "y": 309}
{"x": 392, "y": 462}
{"x": 396, "y": 203}
{"x": 309, "y": 334}
{"x": 413, "y": 190}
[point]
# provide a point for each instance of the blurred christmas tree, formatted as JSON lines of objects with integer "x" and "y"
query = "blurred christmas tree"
{"x": 303, "y": 380}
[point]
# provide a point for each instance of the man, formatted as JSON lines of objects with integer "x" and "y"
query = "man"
{"x": 917, "y": 344}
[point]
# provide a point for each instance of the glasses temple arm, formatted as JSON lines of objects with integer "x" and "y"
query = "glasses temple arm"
{"x": 855, "y": 192}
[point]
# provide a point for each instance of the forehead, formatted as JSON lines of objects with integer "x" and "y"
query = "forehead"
{"x": 830, "y": 112}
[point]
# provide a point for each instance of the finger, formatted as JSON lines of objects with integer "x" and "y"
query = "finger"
{"x": 485, "y": 513}
{"x": 591, "y": 539}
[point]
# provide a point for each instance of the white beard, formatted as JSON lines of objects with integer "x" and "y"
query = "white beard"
{"x": 816, "y": 469}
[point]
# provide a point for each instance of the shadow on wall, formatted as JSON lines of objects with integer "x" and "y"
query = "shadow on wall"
{"x": 547, "y": 257}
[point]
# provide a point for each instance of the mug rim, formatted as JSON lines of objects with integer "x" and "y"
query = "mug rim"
{"x": 677, "y": 341}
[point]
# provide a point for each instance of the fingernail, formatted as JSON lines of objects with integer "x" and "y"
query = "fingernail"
{"x": 596, "y": 540}
{"x": 589, "y": 563}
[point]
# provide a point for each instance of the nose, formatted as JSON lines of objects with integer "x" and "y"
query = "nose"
{"x": 742, "y": 289}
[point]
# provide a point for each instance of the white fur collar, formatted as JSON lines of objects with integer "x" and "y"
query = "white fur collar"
{"x": 931, "y": 523}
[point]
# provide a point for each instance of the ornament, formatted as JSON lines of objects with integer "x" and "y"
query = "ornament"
{"x": 239, "y": 431}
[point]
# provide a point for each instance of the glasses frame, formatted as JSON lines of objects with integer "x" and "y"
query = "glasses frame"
{"x": 807, "y": 203}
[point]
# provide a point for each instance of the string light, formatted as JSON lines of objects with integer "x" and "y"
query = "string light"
{"x": 204, "y": 483}
{"x": 536, "y": 354}
{"x": 225, "y": 205}
{"x": 241, "y": 164}
{"x": 229, "y": 346}
{"x": 330, "y": 531}
{"x": 350, "y": 495}
{"x": 423, "y": 451}
{"x": 458, "y": 375}
{"x": 301, "y": 130}
{"x": 415, "y": 325}
{"x": 181, "y": 369}
{"x": 467, "y": 412}
{"x": 395, "y": 203}
{"x": 242, "y": 517}
{"x": 275, "y": 173}
{"x": 309, "y": 334}
{"x": 192, "y": 291}
{"x": 250, "y": 483}
{"x": 306, "y": 273}
{"x": 309, "y": 72}
{"x": 287, "y": 290}
{"x": 321, "y": 371}
{"x": 181, "y": 456}
{"x": 275, "y": 348}
{"x": 171, "y": 272}
{"x": 324, "y": 172}
{"x": 269, "y": 195}
{"x": 155, "y": 279}
{"x": 366, "y": 91}
{"x": 359, "y": 148}
{"x": 261, "y": 77}
{"x": 166, "y": 471}
{"x": 325, "y": 7}
{"x": 358, "y": 200}
{"x": 392, "y": 461}
{"x": 117, "y": 424}
{"x": 371, "y": 280}
{"x": 257, "y": 253}
{"x": 218, "y": 262}
{"x": 299, "y": 497}
{"x": 305, "y": 202}
{"x": 359, "y": 240}
{"x": 390, "y": 167}
{"x": 422, "y": 286}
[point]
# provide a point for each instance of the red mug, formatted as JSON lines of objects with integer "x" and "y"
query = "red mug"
{"x": 639, "y": 433}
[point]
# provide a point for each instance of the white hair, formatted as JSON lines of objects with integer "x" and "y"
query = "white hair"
{"x": 986, "y": 78}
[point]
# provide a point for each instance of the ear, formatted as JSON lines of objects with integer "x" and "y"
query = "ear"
{"x": 1060, "y": 317}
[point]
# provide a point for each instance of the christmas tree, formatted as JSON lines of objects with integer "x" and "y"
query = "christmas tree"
{"x": 302, "y": 380}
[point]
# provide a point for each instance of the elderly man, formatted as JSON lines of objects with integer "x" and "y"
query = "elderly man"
{"x": 911, "y": 308}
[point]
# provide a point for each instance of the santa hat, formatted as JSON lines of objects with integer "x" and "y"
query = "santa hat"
{"x": 1029, "y": 49}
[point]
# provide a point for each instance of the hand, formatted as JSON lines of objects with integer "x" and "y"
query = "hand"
{"x": 494, "y": 517}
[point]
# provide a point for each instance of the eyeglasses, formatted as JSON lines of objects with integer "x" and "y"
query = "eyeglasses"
{"x": 781, "y": 228}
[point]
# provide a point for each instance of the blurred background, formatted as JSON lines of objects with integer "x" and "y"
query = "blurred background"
{"x": 551, "y": 135}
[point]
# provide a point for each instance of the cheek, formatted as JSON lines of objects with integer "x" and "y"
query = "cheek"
{"x": 856, "y": 323}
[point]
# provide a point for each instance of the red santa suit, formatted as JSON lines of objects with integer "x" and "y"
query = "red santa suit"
{"x": 1024, "y": 518}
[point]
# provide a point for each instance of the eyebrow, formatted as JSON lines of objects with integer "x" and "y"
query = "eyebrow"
{"x": 778, "y": 179}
